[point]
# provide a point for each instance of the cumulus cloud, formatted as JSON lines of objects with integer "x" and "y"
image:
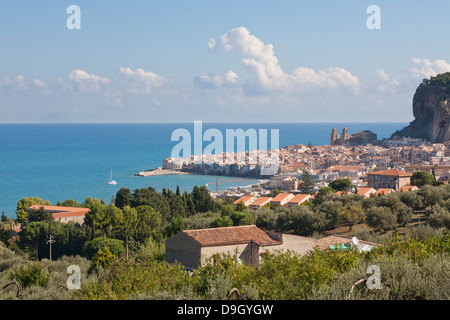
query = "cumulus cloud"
{"x": 384, "y": 82}
{"x": 86, "y": 82}
{"x": 260, "y": 58}
{"x": 141, "y": 81}
{"x": 228, "y": 80}
{"x": 14, "y": 83}
{"x": 426, "y": 68}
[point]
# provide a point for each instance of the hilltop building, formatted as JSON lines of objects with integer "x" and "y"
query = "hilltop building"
{"x": 358, "y": 138}
{"x": 63, "y": 214}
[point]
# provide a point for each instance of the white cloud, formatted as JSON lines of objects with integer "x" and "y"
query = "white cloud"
{"x": 228, "y": 80}
{"x": 86, "y": 82}
{"x": 426, "y": 68}
{"x": 268, "y": 75}
{"x": 113, "y": 98}
{"x": 384, "y": 82}
{"x": 141, "y": 81}
{"x": 39, "y": 83}
{"x": 14, "y": 83}
{"x": 42, "y": 86}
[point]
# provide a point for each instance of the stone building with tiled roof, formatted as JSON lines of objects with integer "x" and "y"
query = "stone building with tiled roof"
{"x": 191, "y": 247}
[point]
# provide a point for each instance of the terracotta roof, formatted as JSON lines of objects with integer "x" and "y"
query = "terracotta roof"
{"x": 261, "y": 201}
{"x": 299, "y": 198}
{"x": 231, "y": 235}
{"x": 391, "y": 172}
{"x": 243, "y": 199}
{"x": 408, "y": 188}
{"x": 364, "y": 190}
{"x": 281, "y": 197}
{"x": 384, "y": 191}
{"x": 60, "y": 211}
{"x": 345, "y": 168}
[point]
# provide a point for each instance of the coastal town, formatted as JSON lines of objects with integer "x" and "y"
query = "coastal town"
{"x": 361, "y": 158}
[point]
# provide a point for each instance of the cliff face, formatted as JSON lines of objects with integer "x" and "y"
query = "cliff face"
{"x": 431, "y": 109}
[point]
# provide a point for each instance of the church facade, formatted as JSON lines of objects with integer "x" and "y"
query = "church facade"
{"x": 358, "y": 138}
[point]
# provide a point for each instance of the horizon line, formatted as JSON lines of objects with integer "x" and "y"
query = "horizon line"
{"x": 189, "y": 122}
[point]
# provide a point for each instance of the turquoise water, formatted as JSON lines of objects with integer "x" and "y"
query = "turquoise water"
{"x": 73, "y": 161}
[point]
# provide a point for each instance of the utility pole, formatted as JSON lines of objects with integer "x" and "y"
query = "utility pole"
{"x": 50, "y": 241}
{"x": 127, "y": 246}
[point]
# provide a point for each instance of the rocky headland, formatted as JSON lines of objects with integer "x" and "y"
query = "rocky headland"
{"x": 431, "y": 110}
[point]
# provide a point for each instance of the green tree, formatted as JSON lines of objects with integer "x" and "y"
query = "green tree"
{"x": 103, "y": 258}
{"x": 241, "y": 207}
{"x": 40, "y": 215}
{"x": 69, "y": 203}
{"x": 323, "y": 192}
{"x": 4, "y": 217}
{"x": 242, "y": 218}
{"x": 175, "y": 226}
{"x": 203, "y": 201}
{"x": 307, "y": 186}
{"x": 91, "y": 247}
{"x": 381, "y": 218}
{"x": 341, "y": 184}
{"x": 23, "y": 205}
{"x": 222, "y": 222}
{"x": 422, "y": 178}
{"x": 30, "y": 236}
{"x": 274, "y": 192}
{"x": 123, "y": 198}
{"x": 351, "y": 216}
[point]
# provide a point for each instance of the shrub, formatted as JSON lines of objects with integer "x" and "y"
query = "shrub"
{"x": 102, "y": 259}
{"x": 90, "y": 248}
{"x": 29, "y": 275}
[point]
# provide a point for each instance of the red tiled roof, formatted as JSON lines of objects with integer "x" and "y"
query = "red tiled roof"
{"x": 407, "y": 188}
{"x": 260, "y": 201}
{"x": 364, "y": 190}
{"x": 243, "y": 199}
{"x": 299, "y": 198}
{"x": 391, "y": 172}
{"x": 60, "y": 211}
{"x": 231, "y": 235}
{"x": 281, "y": 197}
{"x": 384, "y": 191}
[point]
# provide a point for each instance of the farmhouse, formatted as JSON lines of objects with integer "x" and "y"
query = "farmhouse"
{"x": 63, "y": 214}
{"x": 191, "y": 247}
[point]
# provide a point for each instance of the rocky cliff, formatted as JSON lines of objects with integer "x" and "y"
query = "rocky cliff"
{"x": 431, "y": 109}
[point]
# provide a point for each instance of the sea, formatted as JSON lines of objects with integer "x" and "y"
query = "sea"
{"x": 74, "y": 161}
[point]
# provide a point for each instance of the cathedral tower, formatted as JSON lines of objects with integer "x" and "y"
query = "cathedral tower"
{"x": 334, "y": 136}
{"x": 345, "y": 136}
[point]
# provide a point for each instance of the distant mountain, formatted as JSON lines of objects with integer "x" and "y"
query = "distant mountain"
{"x": 431, "y": 109}
{"x": 55, "y": 117}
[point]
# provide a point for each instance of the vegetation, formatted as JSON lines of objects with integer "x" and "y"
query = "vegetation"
{"x": 422, "y": 178}
{"x": 120, "y": 248}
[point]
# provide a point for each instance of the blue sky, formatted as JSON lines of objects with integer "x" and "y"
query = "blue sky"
{"x": 180, "y": 61}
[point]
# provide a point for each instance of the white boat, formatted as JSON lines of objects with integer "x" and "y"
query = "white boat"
{"x": 111, "y": 181}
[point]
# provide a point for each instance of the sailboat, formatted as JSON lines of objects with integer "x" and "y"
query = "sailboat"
{"x": 111, "y": 181}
